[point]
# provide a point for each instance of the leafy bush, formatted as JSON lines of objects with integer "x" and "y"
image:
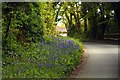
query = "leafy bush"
{"x": 52, "y": 57}
{"x": 26, "y": 22}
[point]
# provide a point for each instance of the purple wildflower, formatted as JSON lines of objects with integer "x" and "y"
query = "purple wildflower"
{"x": 63, "y": 45}
{"x": 40, "y": 43}
{"x": 45, "y": 64}
{"x": 40, "y": 65}
{"x": 70, "y": 42}
{"x": 78, "y": 47}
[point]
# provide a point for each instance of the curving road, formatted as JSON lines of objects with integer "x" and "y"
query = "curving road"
{"x": 102, "y": 61}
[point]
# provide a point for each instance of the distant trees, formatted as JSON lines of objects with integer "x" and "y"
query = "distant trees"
{"x": 91, "y": 19}
{"x": 71, "y": 16}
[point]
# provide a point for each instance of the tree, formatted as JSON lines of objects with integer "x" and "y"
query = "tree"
{"x": 26, "y": 23}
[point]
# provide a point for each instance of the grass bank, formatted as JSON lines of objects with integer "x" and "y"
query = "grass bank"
{"x": 53, "y": 57}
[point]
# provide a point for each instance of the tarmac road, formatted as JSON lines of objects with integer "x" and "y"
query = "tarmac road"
{"x": 102, "y": 61}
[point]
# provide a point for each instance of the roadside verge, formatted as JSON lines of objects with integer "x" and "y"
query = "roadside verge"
{"x": 80, "y": 66}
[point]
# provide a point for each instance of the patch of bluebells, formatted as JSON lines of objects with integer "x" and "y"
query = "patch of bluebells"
{"x": 55, "y": 55}
{"x": 55, "y": 49}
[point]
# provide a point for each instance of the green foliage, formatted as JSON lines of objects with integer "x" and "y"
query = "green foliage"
{"x": 94, "y": 15}
{"x": 27, "y": 28}
{"x": 47, "y": 18}
{"x": 21, "y": 18}
{"x": 101, "y": 19}
{"x": 26, "y": 22}
{"x": 26, "y": 47}
{"x": 112, "y": 27}
{"x": 70, "y": 11}
{"x": 52, "y": 58}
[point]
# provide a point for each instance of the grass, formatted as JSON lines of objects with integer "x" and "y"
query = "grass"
{"x": 53, "y": 57}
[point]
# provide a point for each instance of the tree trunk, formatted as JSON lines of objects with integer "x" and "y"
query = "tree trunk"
{"x": 57, "y": 13}
{"x": 77, "y": 23}
{"x": 85, "y": 26}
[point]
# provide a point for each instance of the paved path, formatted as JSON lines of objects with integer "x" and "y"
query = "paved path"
{"x": 102, "y": 61}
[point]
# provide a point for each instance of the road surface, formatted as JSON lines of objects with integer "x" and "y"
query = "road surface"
{"x": 102, "y": 61}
